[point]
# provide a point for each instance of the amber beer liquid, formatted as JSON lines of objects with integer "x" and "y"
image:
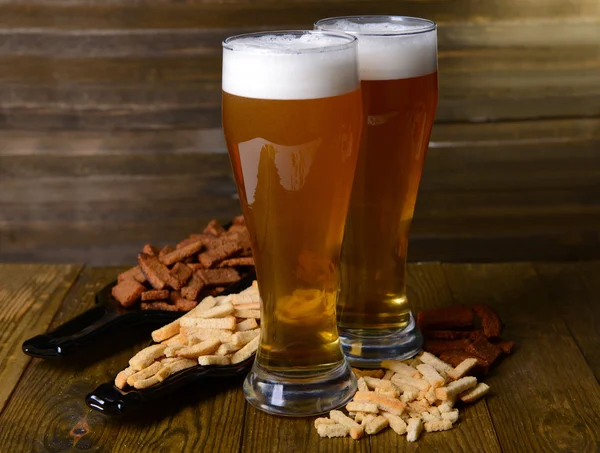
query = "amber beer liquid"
{"x": 292, "y": 117}
{"x": 398, "y": 69}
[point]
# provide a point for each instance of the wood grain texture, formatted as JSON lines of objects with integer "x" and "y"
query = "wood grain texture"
{"x": 574, "y": 293}
{"x": 30, "y": 295}
{"x": 546, "y": 381}
{"x": 207, "y": 418}
{"x": 427, "y": 288}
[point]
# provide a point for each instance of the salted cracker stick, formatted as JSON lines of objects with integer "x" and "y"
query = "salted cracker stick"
{"x": 356, "y": 430}
{"x": 247, "y": 314}
{"x": 147, "y": 356}
{"x": 462, "y": 368}
{"x": 437, "y": 425}
{"x": 476, "y": 393}
{"x": 246, "y": 351}
{"x": 196, "y": 335}
{"x": 455, "y": 388}
{"x": 207, "y": 360}
{"x": 452, "y": 416}
{"x": 324, "y": 421}
{"x": 121, "y": 379}
{"x": 334, "y": 430}
{"x": 227, "y": 323}
{"x": 446, "y": 406}
{"x": 367, "y": 418}
{"x": 173, "y": 367}
{"x": 388, "y": 375}
{"x": 413, "y": 429}
{"x": 376, "y": 425}
{"x": 195, "y": 351}
{"x": 145, "y": 383}
{"x": 250, "y": 306}
{"x": 144, "y": 374}
{"x": 438, "y": 364}
{"x": 430, "y": 395}
{"x": 409, "y": 395}
{"x": 177, "y": 339}
{"x": 384, "y": 403}
{"x": 400, "y": 381}
{"x": 242, "y": 338}
{"x": 362, "y": 407}
{"x": 166, "y": 332}
{"x": 227, "y": 348}
{"x": 374, "y": 383}
{"x": 362, "y": 385}
{"x": 400, "y": 367}
{"x": 431, "y": 375}
{"x": 396, "y": 423}
{"x": 246, "y": 324}
{"x": 205, "y": 304}
{"x": 222, "y": 300}
{"x": 171, "y": 351}
{"x": 220, "y": 311}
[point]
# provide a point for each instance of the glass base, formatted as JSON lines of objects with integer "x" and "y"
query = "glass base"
{"x": 367, "y": 349}
{"x": 299, "y": 396}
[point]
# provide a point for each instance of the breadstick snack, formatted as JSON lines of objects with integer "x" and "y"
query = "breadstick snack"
{"x": 208, "y": 335}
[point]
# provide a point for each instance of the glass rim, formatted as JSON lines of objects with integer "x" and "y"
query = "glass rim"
{"x": 431, "y": 25}
{"x": 350, "y": 39}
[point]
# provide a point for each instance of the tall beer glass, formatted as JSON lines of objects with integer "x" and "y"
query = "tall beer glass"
{"x": 292, "y": 117}
{"x": 398, "y": 71}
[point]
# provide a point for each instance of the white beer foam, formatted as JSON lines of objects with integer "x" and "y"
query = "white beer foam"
{"x": 391, "y": 50}
{"x": 289, "y": 66}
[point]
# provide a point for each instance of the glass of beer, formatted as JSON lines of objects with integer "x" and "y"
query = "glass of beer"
{"x": 397, "y": 58}
{"x": 292, "y": 117}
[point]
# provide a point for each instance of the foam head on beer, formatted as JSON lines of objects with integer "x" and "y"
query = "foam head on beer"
{"x": 390, "y": 48}
{"x": 295, "y": 65}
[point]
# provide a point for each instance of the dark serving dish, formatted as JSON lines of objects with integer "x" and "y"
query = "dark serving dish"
{"x": 105, "y": 318}
{"x": 110, "y": 400}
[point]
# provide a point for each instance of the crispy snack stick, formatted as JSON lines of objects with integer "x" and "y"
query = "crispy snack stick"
{"x": 135, "y": 273}
{"x": 196, "y": 335}
{"x": 145, "y": 383}
{"x": 224, "y": 249}
{"x": 248, "y": 296}
{"x": 451, "y": 416}
{"x": 147, "y": 356}
{"x": 437, "y": 425}
{"x": 409, "y": 395}
{"x": 121, "y": 379}
{"x": 173, "y": 367}
{"x": 463, "y": 368}
{"x": 166, "y": 332}
{"x": 227, "y": 323}
{"x": 247, "y": 314}
{"x": 455, "y": 388}
{"x": 220, "y": 311}
{"x": 456, "y": 357}
{"x": 375, "y": 383}
{"x": 431, "y": 375}
{"x": 180, "y": 274}
{"x": 384, "y": 403}
{"x": 246, "y": 351}
{"x": 232, "y": 262}
{"x": 251, "y": 306}
{"x": 475, "y": 393}
{"x": 227, "y": 348}
{"x": 413, "y": 429}
{"x": 183, "y": 252}
{"x": 246, "y": 324}
{"x": 355, "y": 406}
{"x": 219, "y": 277}
{"x": 362, "y": 385}
{"x": 484, "y": 349}
{"x": 405, "y": 380}
{"x": 376, "y": 425}
{"x": 155, "y": 294}
{"x": 490, "y": 321}
{"x": 194, "y": 286}
{"x": 446, "y": 406}
{"x": 144, "y": 374}
{"x": 332, "y": 430}
{"x": 206, "y": 304}
{"x": 156, "y": 272}
{"x": 396, "y": 423}
{"x": 171, "y": 351}
{"x": 128, "y": 292}
{"x": 242, "y": 338}
{"x": 367, "y": 418}
{"x": 214, "y": 227}
{"x": 399, "y": 367}
{"x": 439, "y": 365}
{"x": 388, "y": 375}
{"x": 185, "y": 305}
{"x": 356, "y": 430}
{"x": 369, "y": 373}
{"x": 207, "y": 360}
{"x": 149, "y": 249}
{"x": 323, "y": 421}
{"x": 158, "y": 305}
{"x": 177, "y": 339}
{"x": 195, "y": 351}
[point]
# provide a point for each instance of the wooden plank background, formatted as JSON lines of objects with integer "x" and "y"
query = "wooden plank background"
{"x": 110, "y": 116}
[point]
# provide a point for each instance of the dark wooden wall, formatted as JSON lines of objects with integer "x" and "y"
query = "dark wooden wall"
{"x": 110, "y": 115}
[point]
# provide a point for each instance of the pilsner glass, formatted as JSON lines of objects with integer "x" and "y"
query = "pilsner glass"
{"x": 292, "y": 117}
{"x": 397, "y": 58}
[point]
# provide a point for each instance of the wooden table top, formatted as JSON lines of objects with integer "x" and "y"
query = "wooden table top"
{"x": 545, "y": 397}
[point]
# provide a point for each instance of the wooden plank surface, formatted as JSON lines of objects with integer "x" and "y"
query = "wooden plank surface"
{"x": 545, "y": 395}
{"x": 207, "y": 418}
{"x": 30, "y": 295}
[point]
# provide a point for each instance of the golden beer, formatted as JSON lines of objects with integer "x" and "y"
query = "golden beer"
{"x": 292, "y": 117}
{"x": 398, "y": 69}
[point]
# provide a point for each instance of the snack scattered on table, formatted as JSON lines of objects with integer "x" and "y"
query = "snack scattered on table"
{"x": 459, "y": 332}
{"x": 209, "y": 334}
{"x": 176, "y": 278}
{"x": 408, "y": 396}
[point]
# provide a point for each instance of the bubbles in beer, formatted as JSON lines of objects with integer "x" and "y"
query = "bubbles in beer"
{"x": 298, "y": 65}
{"x": 392, "y": 48}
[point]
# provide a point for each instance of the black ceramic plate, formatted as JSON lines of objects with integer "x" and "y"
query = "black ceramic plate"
{"x": 105, "y": 318}
{"x": 110, "y": 400}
